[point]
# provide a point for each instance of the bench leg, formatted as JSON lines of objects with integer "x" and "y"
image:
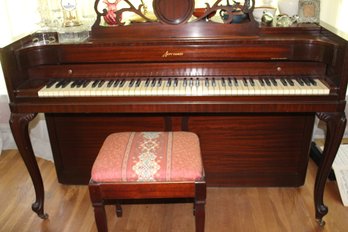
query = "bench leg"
{"x": 118, "y": 209}
{"x": 100, "y": 218}
{"x": 199, "y": 205}
{"x": 200, "y": 216}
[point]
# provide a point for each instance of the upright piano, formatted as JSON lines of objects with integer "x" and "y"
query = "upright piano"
{"x": 250, "y": 91}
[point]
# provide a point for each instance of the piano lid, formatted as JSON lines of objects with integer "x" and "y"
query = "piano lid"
{"x": 173, "y": 19}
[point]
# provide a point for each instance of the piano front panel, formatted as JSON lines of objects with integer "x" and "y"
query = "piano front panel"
{"x": 238, "y": 149}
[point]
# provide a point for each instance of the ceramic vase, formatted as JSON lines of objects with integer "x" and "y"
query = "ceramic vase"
{"x": 289, "y": 7}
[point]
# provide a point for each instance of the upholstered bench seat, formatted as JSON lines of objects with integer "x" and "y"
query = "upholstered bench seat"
{"x": 148, "y": 156}
{"x": 148, "y": 165}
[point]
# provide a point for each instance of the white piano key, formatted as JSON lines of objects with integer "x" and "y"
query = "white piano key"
{"x": 222, "y": 86}
{"x": 251, "y": 89}
{"x": 170, "y": 88}
{"x": 86, "y": 91}
{"x": 323, "y": 88}
{"x": 285, "y": 87}
{"x": 47, "y": 91}
{"x": 241, "y": 89}
{"x": 278, "y": 88}
{"x": 257, "y": 88}
{"x": 300, "y": 90}
{"x": 142, "y": 88}
{"x": 181, "y": 88}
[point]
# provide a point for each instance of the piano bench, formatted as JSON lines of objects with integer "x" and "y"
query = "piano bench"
{"x": 148, "y": 165}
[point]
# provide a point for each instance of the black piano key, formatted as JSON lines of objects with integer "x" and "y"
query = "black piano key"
{"x": 51, "y": 83}
{"x": 223, "y": 82}
{"x": 131, "y": 83}
{"x": 306, "y": 81}
{"x": 85, "y": 83}
{"x": 283, "y": 81}
{"x": 268, "y": 82}
{"x": 176, "y": 82}
{"x": 60, "y": 83}
{"x": 101, "y": 83}
{"x": 245, "y": 82}
{"x": 213, "y": 82}
{"x": 117, "y": 82}
{"x": 274, "y": 82}
{"x": 229, "y": 81}
{"x": 95, "y": 84}
{"x": 122, "y": 83}
{"x": 206, "y": 82}
{"x": 169, "y": 82}
{"x": 111, "y": 82}
{"x": 252, "y": 82}
{"x": 312, "y": 81}
{"x": 191, "y": 82}
{"x": 185, "y": 82}
{"x": 301, "y": 82}
{"x": 74, "y": 84}
{"x": 65, "y": 83}
{"x": 153, "y": 83}
{"x": 79, "y": 83}
{"x": 137, "y": 83}
{"x": 159, "y": 82}
{"x": 147, "y": 82}
{"x": 197, "y": 82}
{"x": 290, "y": 81}
{"x": 262, "y": 82}
{"x": 235, "y": 82}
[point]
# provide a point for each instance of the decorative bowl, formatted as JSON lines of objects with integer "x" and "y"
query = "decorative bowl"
{"x": 258, "y": 12}
{"x": 199, "y": 12}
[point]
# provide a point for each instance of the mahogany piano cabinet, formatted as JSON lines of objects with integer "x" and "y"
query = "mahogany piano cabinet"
{"x": 250, "y": 92}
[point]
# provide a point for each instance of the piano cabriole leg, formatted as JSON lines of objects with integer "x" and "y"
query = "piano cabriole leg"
{"x": 19, "y": 126}
{"x": 336, "y": 123}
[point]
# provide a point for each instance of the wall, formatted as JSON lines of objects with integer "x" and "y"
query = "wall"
{"x": 334, "y": 13}
{"x": 18, "y": 18}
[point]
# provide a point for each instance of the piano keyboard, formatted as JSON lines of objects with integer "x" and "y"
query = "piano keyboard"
{"x": 185, "y": 87}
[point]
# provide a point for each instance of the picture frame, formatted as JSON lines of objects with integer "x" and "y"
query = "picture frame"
{"x": 309, "y": 11}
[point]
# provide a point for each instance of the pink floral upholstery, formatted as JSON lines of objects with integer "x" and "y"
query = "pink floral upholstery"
{"x": 148, "y": 156}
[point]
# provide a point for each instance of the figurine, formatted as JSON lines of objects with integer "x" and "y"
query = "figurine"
{"x": 110, "y": 17}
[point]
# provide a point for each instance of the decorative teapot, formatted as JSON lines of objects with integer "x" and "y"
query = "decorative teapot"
{"x": 233, "y": 11}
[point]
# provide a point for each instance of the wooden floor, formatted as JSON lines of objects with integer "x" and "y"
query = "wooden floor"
{"x": 227, "y": 209}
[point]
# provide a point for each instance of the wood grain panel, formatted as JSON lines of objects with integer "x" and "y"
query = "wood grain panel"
{"x": 262, "y": 150}
{"x": 76, "y": 139}
{"x": 238, "y": 149}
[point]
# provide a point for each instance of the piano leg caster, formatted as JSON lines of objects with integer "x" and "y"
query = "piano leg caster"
{"x": 321, "y": 222}
{"x": 43, "y": 216}
{"x": 39, "y": 210}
